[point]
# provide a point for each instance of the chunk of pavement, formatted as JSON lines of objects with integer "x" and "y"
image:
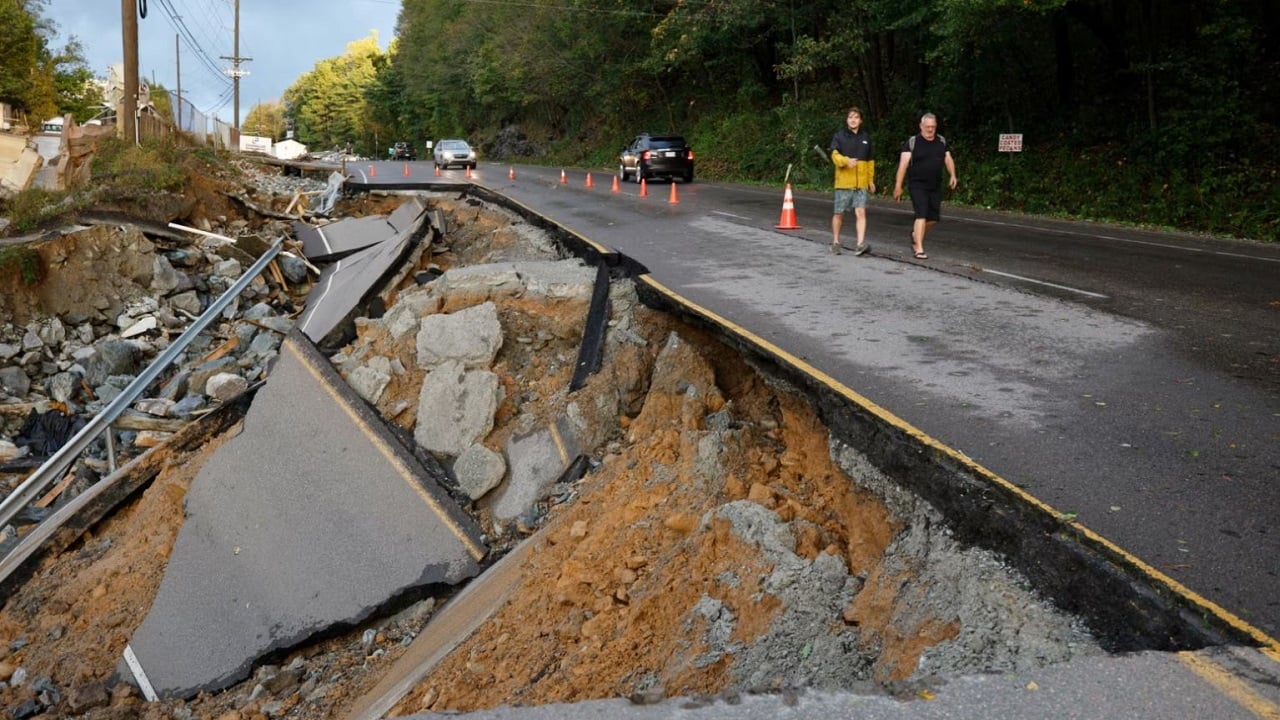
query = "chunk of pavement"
{"x": 225, "y": 386}
{"x": 311, "y": 519}
{"x": 341, "y": 238}
{"x": 455, "y": 408}
{"x": 537, "y": 459}
{"x": 551, "y": 279}
{"x": 479, "y": 470}
{"x": 345, "y": 283}
{"x": 471, "y": 336}
{"x": 370, "y": 379}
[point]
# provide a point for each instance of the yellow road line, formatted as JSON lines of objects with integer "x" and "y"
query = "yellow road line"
{"x": 1227, "y": 684}
{"x": 476, "y": 551}
{"x": 559, "y": 441}
{"x": 1268, "y": 645}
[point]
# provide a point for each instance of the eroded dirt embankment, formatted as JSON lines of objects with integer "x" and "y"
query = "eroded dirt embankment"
{"x": 720, "y": 541}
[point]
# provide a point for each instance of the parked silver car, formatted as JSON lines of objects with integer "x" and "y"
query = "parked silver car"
{"x": 455, "y": 152}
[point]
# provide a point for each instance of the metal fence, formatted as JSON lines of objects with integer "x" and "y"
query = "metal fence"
{"x": 200, "y": 128}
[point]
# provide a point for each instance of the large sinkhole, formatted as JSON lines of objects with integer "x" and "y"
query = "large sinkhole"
{"x": 699, "y": 515}
{"x": 722, "y": 537}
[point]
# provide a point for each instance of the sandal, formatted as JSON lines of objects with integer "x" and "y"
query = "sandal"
{"x": 919, "y": 255}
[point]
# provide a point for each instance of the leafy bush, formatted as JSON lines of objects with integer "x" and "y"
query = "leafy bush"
{"x": 22, "y": 259}
{"x": 1106, "y": 183}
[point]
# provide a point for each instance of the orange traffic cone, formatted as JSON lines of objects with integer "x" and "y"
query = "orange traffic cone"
{"x": 372, "y": 171}
{"x": 406, "y": 169}
{"x": 644, "y": 188}
{"x": 615, "y": 187}
{"x": 673, "y": 200}
{"x": 563, "y": 179}
{"x": 511, "y": 174}
{"x": 437, "y": 171}
{"x": 788, "y": 219}
{"x": 589, "y": 183}
{"x": 468, "y": 172}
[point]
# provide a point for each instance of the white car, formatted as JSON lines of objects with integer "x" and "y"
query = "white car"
{"x": 455, "y": 152}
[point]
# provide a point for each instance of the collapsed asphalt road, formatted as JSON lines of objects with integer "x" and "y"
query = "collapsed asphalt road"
{"x": 689, "y": 424}
{"x": 1129, "y": 425}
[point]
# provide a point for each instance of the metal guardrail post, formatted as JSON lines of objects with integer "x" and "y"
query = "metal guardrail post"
{"x": 25, "y": 493}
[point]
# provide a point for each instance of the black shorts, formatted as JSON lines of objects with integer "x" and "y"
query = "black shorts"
{"x": 926, "y": 202}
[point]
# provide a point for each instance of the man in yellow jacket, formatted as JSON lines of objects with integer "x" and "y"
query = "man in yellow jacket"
{"x": 851, "y": 153}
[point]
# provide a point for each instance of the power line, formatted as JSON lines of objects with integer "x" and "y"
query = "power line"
{"x": 213, "y": 29}
{"x": 176, "y": 20}
{"x": 193, "y": 45}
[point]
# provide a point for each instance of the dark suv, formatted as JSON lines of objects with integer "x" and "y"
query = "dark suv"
{"x": 404, "y": 151}
{"x": 656, "y": 156}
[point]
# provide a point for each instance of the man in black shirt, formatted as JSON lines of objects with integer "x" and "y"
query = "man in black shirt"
{"x": 921, "y": 162}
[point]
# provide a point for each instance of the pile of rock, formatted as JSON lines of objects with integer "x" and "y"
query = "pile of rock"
{"x": 78, "y": 360}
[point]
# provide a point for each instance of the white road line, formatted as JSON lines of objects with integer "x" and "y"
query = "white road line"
{"x": 728, "y": 214}
{"x": 1131, "y": 241}
{"x": 337, "y": 268}
{"x": 144, "y": 683}
{"x": 1024, "y": 226}
{"x": 1042, "y": 282}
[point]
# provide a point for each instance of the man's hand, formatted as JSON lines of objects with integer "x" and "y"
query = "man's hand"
{"x": 953, "y": 182}
{"x": 897, "y": 193}
{"x": 872, "y": 188}
{"x": 850, "y": 162}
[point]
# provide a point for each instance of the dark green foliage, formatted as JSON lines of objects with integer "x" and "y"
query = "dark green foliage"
{"x": 23, "y": 260}
{"x": 30, "y": 208}
{"x": 1151, "y": 113}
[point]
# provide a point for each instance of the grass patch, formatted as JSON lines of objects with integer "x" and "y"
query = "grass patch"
{"x": 32, "y": 208}
{"x": 129, "y": 169}
{"x": 23, "y": 261}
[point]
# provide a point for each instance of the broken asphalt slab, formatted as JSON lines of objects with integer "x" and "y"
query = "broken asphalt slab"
{"x": 314, "y": 518}
{"x": 347, "y": 282}
{"x": 325, "y": 243}
{"x": 537, "y": 460}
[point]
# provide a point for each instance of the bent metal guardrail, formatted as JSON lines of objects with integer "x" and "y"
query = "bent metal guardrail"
{"x": 58, "y": 463}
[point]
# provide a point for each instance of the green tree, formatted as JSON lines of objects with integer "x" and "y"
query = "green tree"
{"x": 20, "y": 48}
{"x": 265, "y": 120}
{"x": 328, "y": 105}
{"x": 34, "y": 78}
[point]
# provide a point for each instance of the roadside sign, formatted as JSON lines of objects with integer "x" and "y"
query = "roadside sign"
{"x": 1010, "y": 142}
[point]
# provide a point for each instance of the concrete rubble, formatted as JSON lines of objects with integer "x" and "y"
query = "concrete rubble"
{"x": 19, "y": 162}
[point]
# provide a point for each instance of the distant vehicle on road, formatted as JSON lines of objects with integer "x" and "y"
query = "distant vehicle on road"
{"x": 404, "y": 151}
{"x": 455, "y": 152}
{"x": 656, "y": 156}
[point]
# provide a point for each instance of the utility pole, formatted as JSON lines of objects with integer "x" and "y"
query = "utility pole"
{"x": 235, "y": 72}
{"x": 127, "y": 119}
{"x": 177, "y": 52}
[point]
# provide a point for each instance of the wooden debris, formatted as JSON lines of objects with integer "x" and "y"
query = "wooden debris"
{"x": 55, "y": 491}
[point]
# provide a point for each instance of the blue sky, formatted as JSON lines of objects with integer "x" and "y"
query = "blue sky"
{"x": 285, "y": 38}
